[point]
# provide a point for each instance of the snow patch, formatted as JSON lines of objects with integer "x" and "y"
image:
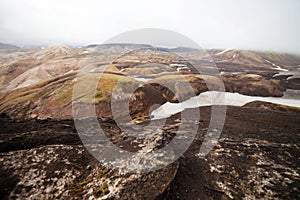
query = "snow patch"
{"x": 177, "y": 65}
{"x": 211, "y": 98}
{"x": 182, "y": 68}
{"x": 226, "y": 50}
{"x": 142, "y": 79}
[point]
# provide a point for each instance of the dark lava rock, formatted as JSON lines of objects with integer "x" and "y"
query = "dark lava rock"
{"x": 257, "y": 156}
{"x": 45, "y": 159}
{"x": 272, "y": 106}
{"x": 253, "y": 85}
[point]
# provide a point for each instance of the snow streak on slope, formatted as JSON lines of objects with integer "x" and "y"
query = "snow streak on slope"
{"x": 277, "y": 67}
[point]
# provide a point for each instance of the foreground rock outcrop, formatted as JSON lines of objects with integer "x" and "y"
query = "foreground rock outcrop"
{"x": 46, "y": 160}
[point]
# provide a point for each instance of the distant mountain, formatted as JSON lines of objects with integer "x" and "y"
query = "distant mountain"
{"x": 4, "y": 46}
{"x": 182, "y": 49}
{"x": 43, "y": 64}
{"x": 118, "y": 46}
{"x": 130, "y": 46}
{"x": 240, "y": 60}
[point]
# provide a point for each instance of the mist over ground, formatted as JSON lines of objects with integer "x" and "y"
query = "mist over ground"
{"x": 258, "y": 25}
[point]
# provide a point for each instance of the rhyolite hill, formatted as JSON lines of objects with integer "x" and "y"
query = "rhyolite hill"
{"x": 40, "y": 85}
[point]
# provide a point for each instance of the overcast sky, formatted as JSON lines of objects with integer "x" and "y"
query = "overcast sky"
{"x": 245, "y": 24}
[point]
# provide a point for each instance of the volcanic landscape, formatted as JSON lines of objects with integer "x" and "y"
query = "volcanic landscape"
{"x": 46, "y": 92}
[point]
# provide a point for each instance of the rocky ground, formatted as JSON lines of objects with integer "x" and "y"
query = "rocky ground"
{"x": 256, "y": 157}
{"x": 46, "y": 160}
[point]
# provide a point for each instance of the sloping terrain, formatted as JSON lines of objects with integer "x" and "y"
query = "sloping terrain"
{"x": 48, "y": 159}
{"x": 42, "y": 156}
{"x": 53, "y": 98}
{"x": 4, "y": 46}
{"x": 256, "y": 157}
{"x": 271, "y": 106}
{"x": 243, "y": 61}
{"x": 10, "y": 71}
{"x": 41, "y": 85}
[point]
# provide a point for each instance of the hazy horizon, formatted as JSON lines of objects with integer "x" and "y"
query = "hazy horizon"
{"x": 252, "y": 25}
